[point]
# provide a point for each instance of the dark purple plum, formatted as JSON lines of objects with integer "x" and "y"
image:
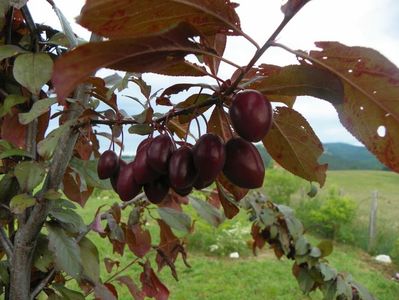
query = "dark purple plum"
{"x": 157, "y": 190}
{"x": 251, "y": 115}
{"x": 184, "y": 192}
{"x": 143, "y": 173}
{"x": 244, "y": 166}
{"x": 115, "y": 176}
{"x": 143, "y": 143}
{"x": 182, "y": 172}
{"x": 127, "y": 188}
{"x": 209, "y": 158}
{"x": 108, "y": 164}
{"x": 158, "y": 153}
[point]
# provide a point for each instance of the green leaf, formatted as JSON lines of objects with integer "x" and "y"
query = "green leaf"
{"x": 90, "y": 259}
{"x": 175, "y": 219}
{"x": 43, "y": 258}
{"x": 305, "y": 281}
{"x": 302, "y": 246}
{"x": 46, "y": 147}
{"x": 9, "y": 102}
{"x": 29, "y": 175}
{"x": 33, "y": 70}
{"x": 267, "y": 217}
{"x": 313, "y": 191}
{"x": 20, "y": 202}
{"x": 66, "y": 293}
{"x": 327, "y": 272}
{"x": 69, "y": 217}
{"x": 207, "y": 211}
{"x": 87, "y": 170}
{"x": 315, "y": 252}
{"x": 52, "y": 195}
{"x": 343, "y": 288}
{"x": 141, "y": 129}
{"x": 7, "y": 51}
{"x": 38, "y": 108}
{"x": 14, "y": 152}
{"x": 4, "y": 275}
{"x": 363, "y": 292}
{"x": 65, "y": 250}
{"x": 326, "y": 247}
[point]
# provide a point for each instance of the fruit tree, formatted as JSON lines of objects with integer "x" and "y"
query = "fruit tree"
{"x": 50, "y": 75}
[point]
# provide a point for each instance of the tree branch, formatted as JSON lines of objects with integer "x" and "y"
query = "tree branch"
{"x": 42, "y": 284}
{"x": 6, "y": 243}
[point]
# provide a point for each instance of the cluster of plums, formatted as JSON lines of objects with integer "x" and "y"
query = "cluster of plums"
{"x": 159, "y": 165}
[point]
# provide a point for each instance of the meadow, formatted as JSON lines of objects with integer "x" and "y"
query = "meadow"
{"x": 213, "y": 275}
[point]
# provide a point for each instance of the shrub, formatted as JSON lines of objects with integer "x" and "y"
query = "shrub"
{"x": 326, "y": 215}
{"x": 281, "y": 185}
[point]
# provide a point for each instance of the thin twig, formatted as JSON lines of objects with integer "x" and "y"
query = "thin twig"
{"x": 6, "y": 243}
{"x": 42, "y": 284}
{"x": 260, "y": 52}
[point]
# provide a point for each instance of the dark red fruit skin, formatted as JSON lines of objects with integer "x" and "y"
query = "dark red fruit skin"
{"x": 251, "y": 115}
{"x": 143, "y": 173}
{"x": 158, "y": 153}
{"x": 184, "y": 192}
{"x": 182, "y": 172}
{"x": 108, "y": 164}
{"x": 143, "y": 143}
{"x": 200, "y": 184}
{"x": 127, "y": 188}
{"x": 209, "y": 157}
{"x": 157, "y": 190}
{"x": 244, "y": 166}
{"x": 115, "y": 176}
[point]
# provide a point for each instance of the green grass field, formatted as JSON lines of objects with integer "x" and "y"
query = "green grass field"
{"x": 265, "y": 277}
{"x": 360, "y": 186}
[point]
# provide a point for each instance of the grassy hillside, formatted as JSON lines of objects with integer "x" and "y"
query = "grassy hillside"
{"x": 340, "y": 156}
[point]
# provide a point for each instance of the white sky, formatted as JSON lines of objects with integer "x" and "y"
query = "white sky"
{"x": 369, "y": 23}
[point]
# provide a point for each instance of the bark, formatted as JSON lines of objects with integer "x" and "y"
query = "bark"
{"x": 27, "y": 233}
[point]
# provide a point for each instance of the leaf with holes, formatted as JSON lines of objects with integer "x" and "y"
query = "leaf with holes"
{"x": 292, "y": 143}
{"x": 38, "y": 108}
{"x": 371, "y": 86}
{"x": 163, "y": 54}
{"x": 141, "y": 19}
{"x": 65, "y": 250}
{"x": 33, "y": 70}
{"x": 29, "y": 175}
{"x": 300, "y": 80}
